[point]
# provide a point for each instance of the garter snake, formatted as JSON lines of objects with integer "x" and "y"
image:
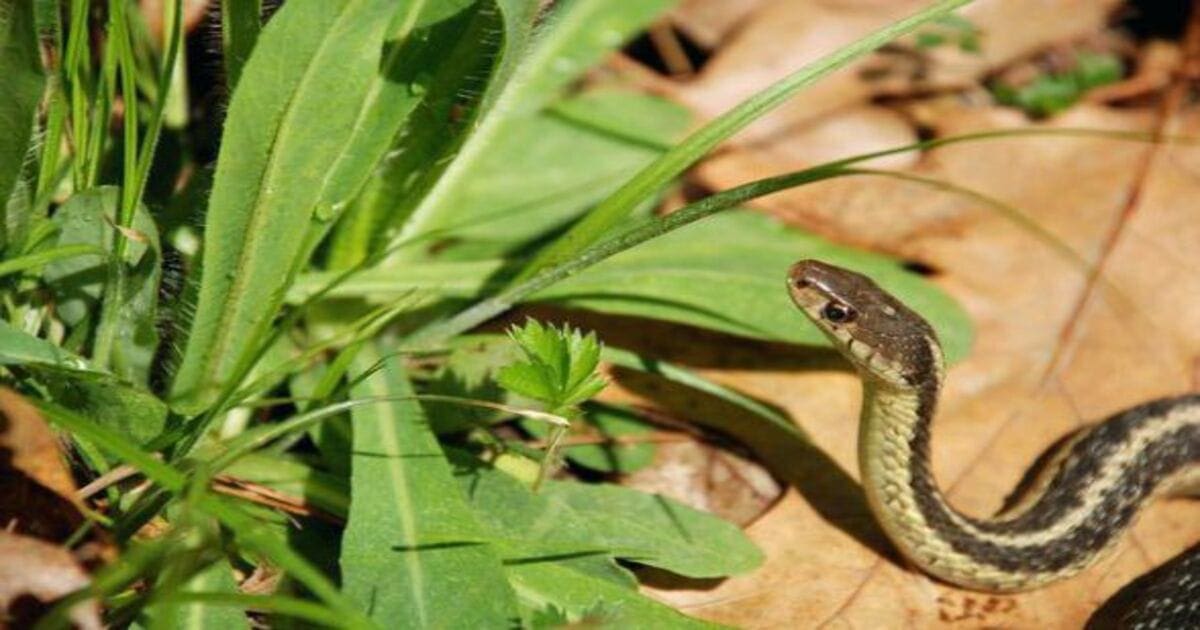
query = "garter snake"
{"x": 1080, "y": 502}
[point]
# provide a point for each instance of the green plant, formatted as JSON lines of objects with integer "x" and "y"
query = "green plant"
{"x": 390, "y": 176}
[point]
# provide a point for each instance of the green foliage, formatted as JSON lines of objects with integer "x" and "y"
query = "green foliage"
{"x": 1051, "y": 93}
{"x": 412, "y": 549}
{"x": 559, "y": 369}
{"x": 88, "y": 219}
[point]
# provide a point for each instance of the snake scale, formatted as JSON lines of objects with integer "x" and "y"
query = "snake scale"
{"x": 1070, "y": 512}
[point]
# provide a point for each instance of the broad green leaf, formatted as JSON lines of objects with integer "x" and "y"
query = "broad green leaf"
{"x": 456, "y": 72}
{"x": 21, "y": 82}
{"x": 574, "y": 36}
{"x": 580, "y": 597}
{"x": 727, "y": 273}
{"x": 86, "y": 219}
{"x": 316, "y": 108}
{"x": 21, "y": 348}
{"x": 412, "y": 550}
{"x": 135, "y": 414}
{"x": 534, "y": 180}
{"x": 573, "y": 517}
{"x": 666, "y": 534}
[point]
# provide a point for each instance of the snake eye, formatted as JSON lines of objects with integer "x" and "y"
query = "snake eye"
{"x": 838, "y": 313}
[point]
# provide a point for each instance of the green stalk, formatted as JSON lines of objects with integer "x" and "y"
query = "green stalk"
{"x": 77, "y": 81}
{"x": 114, "y": 286}
{"x": 137, "y": 162}
{"x": 659, "y": 173}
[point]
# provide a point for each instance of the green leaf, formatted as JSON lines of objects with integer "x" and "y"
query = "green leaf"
{"x": 201, "y": 615}
{"x": 560, "y": 365}
{"x": 20, "y": 348}
{"x": 530, "y": 182}
{"x": 86, "y": 219}
{"x": 583, "y": 598}
{"x": 724, "y": 273}
{"x": 21, "y": 83}
{"x": 574, "y": 36}
{"x": 658, "y": 531}
{"x": 573, "y": 518}
{"x": 481, "y": 45}
{"x": 281, "y": 179}
{"x": 135, "y": 414}
{"x": 412, "y": 550}
{"x": 727, "y": 274}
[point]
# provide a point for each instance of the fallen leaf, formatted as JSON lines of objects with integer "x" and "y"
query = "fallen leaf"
{"x": 781, "y": 37}
{"x": 38, "y": 490}
{"x": 33, "y": 574}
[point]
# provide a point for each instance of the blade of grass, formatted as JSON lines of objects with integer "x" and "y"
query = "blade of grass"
{"x": 276, "y": 604}
{"x": 38, "y": 259}
{"x": 116, "y": 277}
{"x": 654, "y": 177}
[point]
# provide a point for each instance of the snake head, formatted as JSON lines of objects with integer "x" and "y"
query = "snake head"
{"x": 884, "y": 339}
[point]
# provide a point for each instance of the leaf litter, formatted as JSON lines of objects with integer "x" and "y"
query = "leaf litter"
{"x": 1055, "y": 347}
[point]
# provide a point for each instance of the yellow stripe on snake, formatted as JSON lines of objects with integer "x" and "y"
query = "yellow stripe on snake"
{"x": 1086, "y": 495}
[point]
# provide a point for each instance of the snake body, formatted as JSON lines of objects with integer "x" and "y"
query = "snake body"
{"x": 1085, "y": 495}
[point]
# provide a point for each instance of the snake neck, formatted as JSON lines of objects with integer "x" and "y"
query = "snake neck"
{"x": 1089, "y": 496}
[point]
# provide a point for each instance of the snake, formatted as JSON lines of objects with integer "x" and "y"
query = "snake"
{"x": 1070, "y": 511}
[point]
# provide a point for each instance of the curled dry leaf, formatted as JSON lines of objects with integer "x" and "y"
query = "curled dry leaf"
{"x": 33, "y": 574}
{"x": 1051, "y": 353}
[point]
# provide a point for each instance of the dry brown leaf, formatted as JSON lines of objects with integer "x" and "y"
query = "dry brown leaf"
{"x": 783, "y": 36}
{"x": 1034, "y": 374}
{"x": 33, "y": 574}
{"x": 38, "y": 490}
